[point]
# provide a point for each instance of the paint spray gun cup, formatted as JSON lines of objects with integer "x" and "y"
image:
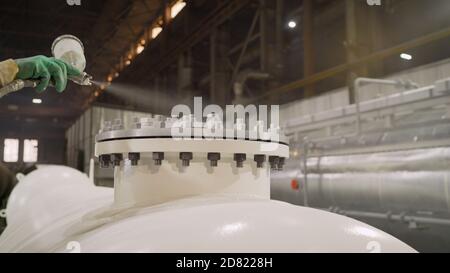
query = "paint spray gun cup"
{"x": 70, "y": 49}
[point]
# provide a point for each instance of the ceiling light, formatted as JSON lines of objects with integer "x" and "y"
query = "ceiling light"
{"x": 177, "y": 8}
{"x": 406, "y": 56}
{"x": 139, "y": 49}
{"x": 292, "y": 24}
{"x": 156, "y": 31}
{"x": 37, "y": 101}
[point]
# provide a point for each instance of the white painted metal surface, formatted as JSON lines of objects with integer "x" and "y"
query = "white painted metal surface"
{"x": 56, "y": 207}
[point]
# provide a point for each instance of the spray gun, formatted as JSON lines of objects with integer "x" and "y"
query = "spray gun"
{"x": 67, "y": 48}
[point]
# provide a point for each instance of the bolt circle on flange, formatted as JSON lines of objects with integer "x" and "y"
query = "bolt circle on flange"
{"x": 156, "y": 137}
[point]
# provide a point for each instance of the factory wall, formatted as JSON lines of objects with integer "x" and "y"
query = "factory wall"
{"x": 51, "y": 151}
{"x": 423, "y": 75}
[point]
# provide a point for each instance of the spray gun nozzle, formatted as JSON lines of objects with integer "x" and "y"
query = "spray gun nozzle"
{"x": 84, "y": 79}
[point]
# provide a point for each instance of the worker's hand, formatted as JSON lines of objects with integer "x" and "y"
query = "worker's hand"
{"x": 46, "y": 70}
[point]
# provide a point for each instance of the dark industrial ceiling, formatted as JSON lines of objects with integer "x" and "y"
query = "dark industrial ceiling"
{"x": 28, "y": 28}
{"x": 109, "y": 28}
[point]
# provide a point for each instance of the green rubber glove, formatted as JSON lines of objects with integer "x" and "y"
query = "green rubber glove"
{"x": 46, "y": 70}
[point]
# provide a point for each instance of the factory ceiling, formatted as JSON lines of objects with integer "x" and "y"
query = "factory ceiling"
{"x": 28, "y": 28}
{"x": 178, "y": 62}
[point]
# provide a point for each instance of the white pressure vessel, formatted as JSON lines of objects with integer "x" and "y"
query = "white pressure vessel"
{"x": 176, "y": 195}
{"x": 56, "y": 209}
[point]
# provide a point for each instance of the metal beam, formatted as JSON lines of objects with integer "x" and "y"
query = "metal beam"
{"x": 33, "y": 124}
{"x": 308, "y": 44}
{"x": 220, "y": 75}
{"x": 237, "y": 66}
{"x": 202, "y": 31}
{"x": 44, "y": 14}
{"x": 38, "y": 111}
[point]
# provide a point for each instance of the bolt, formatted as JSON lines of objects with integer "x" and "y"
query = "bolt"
{"x": 116, "y": 159}
{"x": 213, "y": 158}
{"x": 158, "y": 157}
{"x": 260, "y": 159}
{"x": 104, "y": 160}
{"x": 134, "y": 158}
{"x": 281, "y": 163}
{"x": 186, "y": 158}
{"x": 240, "y": 158}
{"x": 274, "y": 161}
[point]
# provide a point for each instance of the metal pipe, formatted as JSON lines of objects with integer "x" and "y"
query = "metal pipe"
{"x": 305, "y": 172}
{"x": 400, "y": 161}
{"x": 84, "y": 80}
{"x": 246, "y": 43}
{"x": 412, "y": 221}
{"x": 359, "y": 82}
{"x": 372, "y": 191}
{"x": 246, "y": 75}
{"x": 263, "y": 34}
{"x": 16, "y": 86}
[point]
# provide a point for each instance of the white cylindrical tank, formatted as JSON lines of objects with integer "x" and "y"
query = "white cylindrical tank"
{"x": 53, "y": 214}
{"x": 172, "y": 195}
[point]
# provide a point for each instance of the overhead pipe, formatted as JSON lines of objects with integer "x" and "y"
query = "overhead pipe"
{"x": 413, "y": 222}
{"x": 359, "y": 82}
{"x": 246, "y": 75}
{"x": 435, "y": 159}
